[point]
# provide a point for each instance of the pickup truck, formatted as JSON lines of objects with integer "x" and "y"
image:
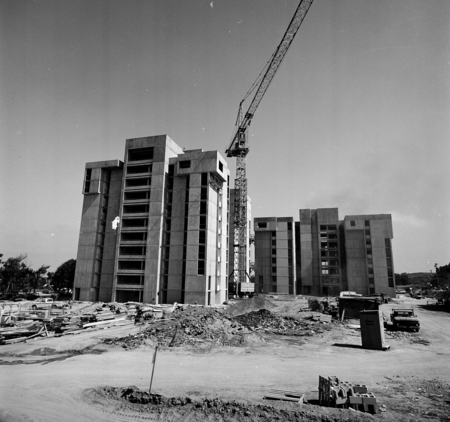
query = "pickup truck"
{"x": 405, "y": 319}
{"x": 43, "y": 303}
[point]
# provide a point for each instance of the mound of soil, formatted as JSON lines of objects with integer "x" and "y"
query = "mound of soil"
{"x": 265, "y": 320}
{"x": 131, "y": 401}
{"x": 191, "y": 326}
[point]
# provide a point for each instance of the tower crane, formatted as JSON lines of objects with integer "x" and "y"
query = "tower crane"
{"x": 239, "y": 147}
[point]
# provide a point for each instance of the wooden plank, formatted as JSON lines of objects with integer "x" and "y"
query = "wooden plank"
{"x": 283, "y": 397}
{"x": 286, "y": 392}
{"x": 109, "y": 321}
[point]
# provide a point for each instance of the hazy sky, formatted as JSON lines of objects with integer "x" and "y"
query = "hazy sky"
{"x": 357, "y": 116}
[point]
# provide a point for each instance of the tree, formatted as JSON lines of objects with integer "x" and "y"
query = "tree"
{"x": 401, "y": 279}
{"x": 64, "y": 276}
{"x": 13, "y": 275}
{"x": 16, "y": 276}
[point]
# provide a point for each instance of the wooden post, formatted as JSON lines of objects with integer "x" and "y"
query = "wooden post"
{"x": 153, "y": 370}
{"x": 343, "y": 315}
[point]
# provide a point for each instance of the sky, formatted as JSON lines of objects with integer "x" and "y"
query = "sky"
{"x": 357, "y": 116}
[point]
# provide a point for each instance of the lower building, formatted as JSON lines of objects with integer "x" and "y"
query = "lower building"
{"x": 369, "y": 262}
{"x": 154, "y": 227}
{"x": 330, "y": 255}
{"x": 274, "y": 255}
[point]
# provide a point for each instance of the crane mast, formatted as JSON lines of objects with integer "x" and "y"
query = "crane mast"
{"x": 239, "y": 147}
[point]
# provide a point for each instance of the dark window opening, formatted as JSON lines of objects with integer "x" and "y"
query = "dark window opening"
{"x": 220, "y": 166}
{"x": 201, "y": 252}
{"x": 130, "y": 279}
{"x": 135, "y": 222}
{"x": 367, "y": 223}
{"x": 139, "y": 169}
{"x": 262, "y": 225}
{"x": 132, "y": 250}
{"x": 352, "y": 223}
{"x": 135, "y": 209}
{"x": 140, "y": 154}
{"x": 132, "y": 183}
{"x": 131, "y": 265}
{"x": 201, "y": 267}
{"x": 185, "y": 164}
{"x": 133, "y": 236}
{"x": 137, "y": 195}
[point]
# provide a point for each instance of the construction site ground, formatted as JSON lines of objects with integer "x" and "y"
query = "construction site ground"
{"x": 96, "y": 375}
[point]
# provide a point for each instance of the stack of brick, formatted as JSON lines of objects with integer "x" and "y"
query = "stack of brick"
{"x": 336, "y": 393}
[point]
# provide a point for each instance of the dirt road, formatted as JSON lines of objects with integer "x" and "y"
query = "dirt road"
{"x": 45, "y": 380}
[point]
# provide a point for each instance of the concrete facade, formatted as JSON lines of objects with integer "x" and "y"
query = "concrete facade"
{"x": 353, "y": 254}
{"x": 97, "y": 242}
{"x": 319, "y": 253}
{"x": 274, "y": 255}
{"x": 369, "y": 261}
{"x": 170, "y": 245}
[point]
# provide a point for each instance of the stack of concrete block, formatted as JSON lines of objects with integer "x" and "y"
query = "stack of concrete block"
{"x": 336, "y": 393}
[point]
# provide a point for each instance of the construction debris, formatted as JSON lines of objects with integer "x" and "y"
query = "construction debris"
{"x": 190, "y": 325}
{"x": 264, "y": 320}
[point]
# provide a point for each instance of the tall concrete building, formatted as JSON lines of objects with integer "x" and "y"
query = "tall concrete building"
{"x": 274, "y": 255}
{"x": 368, "y": 254}
{"x": 170, "y": 243}
{"x": 353, "y": 254}
{"x": 319, "y": 252}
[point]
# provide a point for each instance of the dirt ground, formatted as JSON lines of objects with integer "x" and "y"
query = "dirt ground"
{"x": 81, "y": 378}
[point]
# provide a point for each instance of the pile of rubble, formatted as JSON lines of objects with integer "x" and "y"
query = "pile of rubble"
{"x": 267, "y": 321}
{"x": 190, "y": 325}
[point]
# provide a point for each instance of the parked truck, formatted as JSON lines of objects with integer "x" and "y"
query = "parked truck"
{"x": 246, "y": 289}
{"x": 405, "y": 319}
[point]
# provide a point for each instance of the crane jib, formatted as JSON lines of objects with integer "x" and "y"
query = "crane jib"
{"x": 272, "y": 68}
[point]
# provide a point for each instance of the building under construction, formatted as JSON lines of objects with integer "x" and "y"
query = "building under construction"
{"x": 330, "y": 255}
{"x": 154, "y": 227}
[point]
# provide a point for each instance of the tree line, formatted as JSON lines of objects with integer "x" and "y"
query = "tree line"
{"x": 17, "y": 277}
{"x": 440, "y": 278}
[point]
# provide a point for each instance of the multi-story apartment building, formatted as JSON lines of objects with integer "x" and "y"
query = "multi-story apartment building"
{"x": 353, "y": 254}
{"x": 170, "y": 243}
{"x": 319, "y": 255}
{"x": 369, "y": 262}
{"x": 274, "y": 255}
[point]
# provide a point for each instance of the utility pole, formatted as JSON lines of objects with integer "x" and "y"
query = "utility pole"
{"x": 437, "y": 277}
